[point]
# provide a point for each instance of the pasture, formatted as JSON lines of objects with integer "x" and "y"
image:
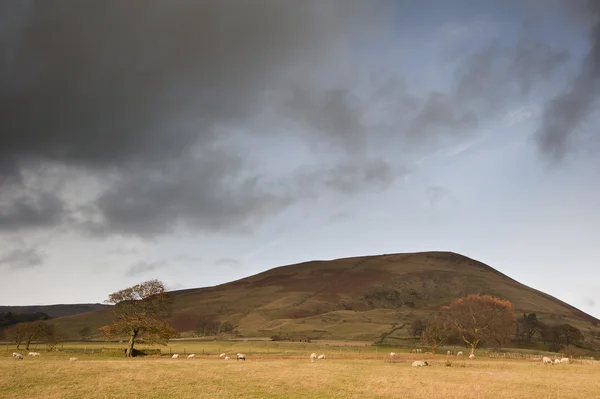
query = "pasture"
{"x": 284, "y": 370}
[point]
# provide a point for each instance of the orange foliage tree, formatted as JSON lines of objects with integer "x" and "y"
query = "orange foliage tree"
{"x": 481, "y": 318}
{"x": 141, "y": 311}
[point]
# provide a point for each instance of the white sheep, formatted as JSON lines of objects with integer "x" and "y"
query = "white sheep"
{"x": 33, "y": 354}
{"x": 73, "y": 359}
{"x": 19, "y": 357}
{"x": 15, "y": 354}
{"x": 556, "y": 361}
{"x": 313, "y": 357}
{"x": 241, "y": 356}
{"x": 448, "y": 353}
{"x": 420, "y": 350}
{"x": 419, "y": 363}
{"x": 191, "y": 356}
{"x": 321, "y": 357}
{"x": 226, "y": 358}
{"x": 471, "y": 356}
{"x": 460, "y": 353}
{"x": 392, "y": 354}
{"x": 547, "y": 360}
{"x": 175, "y": 356}
{"x": 222, "y": 355}
{"x": 565, "y": 360}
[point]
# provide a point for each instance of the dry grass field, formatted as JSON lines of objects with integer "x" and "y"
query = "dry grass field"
{"x": 280, "y": 371}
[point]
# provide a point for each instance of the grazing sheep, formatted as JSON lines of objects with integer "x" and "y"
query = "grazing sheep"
{"x": 565, "y": 360}
{"x": 191, "y": 356}
{"x": 392, "y": 354}
{"x": 33, "y": 354}
{"x": 313, "y": 357}
{"x": 226, "y": 358}
{"x": 419, "y": 363}
{"x": 15, "y": 354}
{"x": 19, "y": 357}
{"x": 459, "y": 353}
{"x": 471, "y": 356}
{"x": 175, "y": 356}
{"x": 241, "y": 356}
{"x": 448, "y": 353}
{"x": 546, "y": 360}
{"x": 73, "y": 359}
{"x": 222, "y": 355}
{"x": 321, "y": 357}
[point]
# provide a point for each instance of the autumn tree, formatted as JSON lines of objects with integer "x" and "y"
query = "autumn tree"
{"x": 436, "y": 332}
{"x": 141, "y": 312}
{"x": 481, "y": 318}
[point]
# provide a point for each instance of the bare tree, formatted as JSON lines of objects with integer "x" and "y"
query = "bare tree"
{"x": 481, "y": 318}
{"x": 141, "y": 312}
{"x": 436, "y": 332}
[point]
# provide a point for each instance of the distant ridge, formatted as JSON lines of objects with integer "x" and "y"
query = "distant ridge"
{"x": 59, "y": 310}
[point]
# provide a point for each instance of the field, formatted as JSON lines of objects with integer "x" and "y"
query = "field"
{"x": 283, "y": 370}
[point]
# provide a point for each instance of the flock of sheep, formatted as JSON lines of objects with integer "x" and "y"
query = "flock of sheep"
{"x": 546, "y": 360}
{"x": 313, "y": 357}
{"x": 18, "y": 356}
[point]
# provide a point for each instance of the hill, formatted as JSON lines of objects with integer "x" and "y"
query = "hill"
{"x": 351, "y": 298}
{"x": 54, "y": 310}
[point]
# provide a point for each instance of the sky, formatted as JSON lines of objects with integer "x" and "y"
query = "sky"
{"x": 199, "y": 142}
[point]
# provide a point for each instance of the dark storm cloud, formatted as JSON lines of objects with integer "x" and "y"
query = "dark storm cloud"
{"x": 129, "y": 88}
{"x": 566, "y": 112}
{"x": 102, "y": 83}
{"x": 21, "y": 258}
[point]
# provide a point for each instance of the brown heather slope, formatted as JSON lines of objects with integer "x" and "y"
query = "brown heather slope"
{"x": 351, "y": 298}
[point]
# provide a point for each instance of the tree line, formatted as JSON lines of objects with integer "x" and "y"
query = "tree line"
{"x": 486, "y": 320}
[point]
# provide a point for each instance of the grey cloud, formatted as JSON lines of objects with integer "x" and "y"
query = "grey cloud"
{"x": 566, "y": 112}
{"x": 347, "y": 178}
{"x": 442, "y": 111}
{"x": 228, "y": 262}
{"x": 141, "y": 80}
{"x": 22, "y": 258}
{"x": 206, "y": 193}
{"x": 31, "y": 210}
{"x": 436, "y": 195}
{"x": 143, "y": 267}
{"x": 130, "y": 88}
{"x": 589, "y": 301}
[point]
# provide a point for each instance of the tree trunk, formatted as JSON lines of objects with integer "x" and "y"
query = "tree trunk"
{"x": 473, "y": 346}
{"x": 129, "y": 351}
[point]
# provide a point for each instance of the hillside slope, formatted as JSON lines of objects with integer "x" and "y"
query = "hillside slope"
{"x": 351, "y": 298}
{"x": 54, "y": 310}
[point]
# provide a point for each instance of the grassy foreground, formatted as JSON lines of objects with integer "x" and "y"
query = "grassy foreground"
{"x": 289, "y": 374}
